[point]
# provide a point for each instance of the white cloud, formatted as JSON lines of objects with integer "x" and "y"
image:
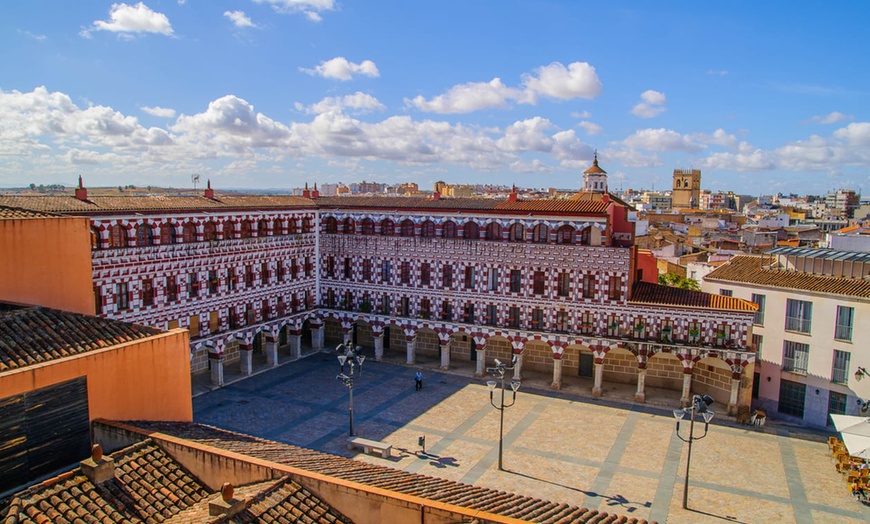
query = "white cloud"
{"x": 469, "y": 97}
{"x": 652, "y": 103}
{"x": 580, "y": 115}
{"x": 831, "y": 118}
{"x": 128, "y": 20}
{"x": 717, "y": 72}
{"x": 162, "y": 112}
{"x": 240, "y": 19}
{"x": 591, "y": 128}
{"x": 339, "y": 68}
{"x": 527, "y": 135}
{"x": 662, "y": 140}
{"x": 855, "y": 134}
{"x": 358, "y": 102}
{"x": 37, "y": 37}
{"x": 554, "y": 81}
{"x": 310, "y": 8}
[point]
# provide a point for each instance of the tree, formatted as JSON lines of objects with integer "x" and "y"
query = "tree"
{"x": 674, "y": 280}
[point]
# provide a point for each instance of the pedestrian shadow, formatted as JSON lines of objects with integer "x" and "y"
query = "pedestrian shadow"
{"x": 434, "y": 460}
{"x": 729, "y": 518}
{"x": 616, "y": 500}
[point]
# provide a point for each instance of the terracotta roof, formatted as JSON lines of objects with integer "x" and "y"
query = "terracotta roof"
{"x": 149, "y": 486}
{"x": 467, "y": 204}
{"x": 648, "y": 293}
{"x": 747, "y": 269}
{"x": 96, "y": 204}
{"x": 556, "y": 206}
{"x": 31, "y": 335}
{"x": 431, "y": 488}
{"x": 17, "y": 212}
{"x": 595, "y": 169}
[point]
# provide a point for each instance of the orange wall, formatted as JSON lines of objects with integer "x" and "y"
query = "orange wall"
{"x": 47, "y": 262}
{"x": 647, "y": 262}
{"x": 145, "y": 379}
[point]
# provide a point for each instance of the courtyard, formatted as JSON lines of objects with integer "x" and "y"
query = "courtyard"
{"x": 604, "y": 454}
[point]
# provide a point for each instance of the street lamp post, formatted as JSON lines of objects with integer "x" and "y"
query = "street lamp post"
{"x": 352, "y": 357}
{"x": 499, "y": 372}
{"x": 699, "y": 405}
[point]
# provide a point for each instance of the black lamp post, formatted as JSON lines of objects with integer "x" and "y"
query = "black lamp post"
{"x": 352, "y": 356}
{"x": 699, "y": 405}
{"x": 499, "y": 372}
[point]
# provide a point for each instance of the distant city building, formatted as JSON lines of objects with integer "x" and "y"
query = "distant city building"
{"x": 842, "y": 203}
{"x": 654, "y": 201}
{"x": 687, "y": 188}
{"x": 595, "y": 178}
{"x": 407, "y": 188}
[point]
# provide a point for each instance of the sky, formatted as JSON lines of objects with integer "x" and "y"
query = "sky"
{"x": 762, "y": 97}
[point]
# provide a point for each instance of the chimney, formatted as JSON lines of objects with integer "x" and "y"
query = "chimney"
{"x": 306, "y": 193}
{"x": 225, "y": 503}
{"x": 436, "y": 196}
{"x": 209, "y": 192}
{"x": 81, "y": 191}
{"x": 513, "y": 196}
{"x": 98, "y": 468}
{"x": 315, "y": 193}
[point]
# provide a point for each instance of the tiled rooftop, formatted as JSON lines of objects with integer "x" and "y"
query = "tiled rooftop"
{"x": 748, "y": 270}
{"x": 648, "y": 293}
{"x": 149, "y": 486}
{"x": 469, "y": 204}
{"x": 436, "y": 489}
{"x": 17, "y": 212}
{"x": 31, "y": 335}
{"x": 96, "y": 204}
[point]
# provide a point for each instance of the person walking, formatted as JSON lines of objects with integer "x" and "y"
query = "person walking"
{"x": 418, "y": 379}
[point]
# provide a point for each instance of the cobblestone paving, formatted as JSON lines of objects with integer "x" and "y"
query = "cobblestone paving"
{"x": 621, "y": 458}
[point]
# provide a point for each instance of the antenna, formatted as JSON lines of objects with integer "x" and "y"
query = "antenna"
{"x": 195, "y": 179}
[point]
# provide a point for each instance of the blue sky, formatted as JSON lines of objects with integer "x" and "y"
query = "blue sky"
{"x": 763, "y": 97}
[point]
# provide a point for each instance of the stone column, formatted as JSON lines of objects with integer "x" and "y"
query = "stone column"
{"x": 557, "y": 374}
{"x": 411, "y": 349}
{"x": 640, "y": 395}
{"x": 598, "y": 377}
{"x": 480, "y": 369}
{"x": 445, "y": 354}
{"x": 317, "y": 336}
{"x": 270, "y": 346}
{"x": 687, "y": 387}
{"x": 295, "y": 346}
{"x": 217, "y": 368}
{"x": 732, "y": 401}
{"x": 379, "y": 347}
{"x": 347, "y": 337}
{"x": 246, "y": 351}
{"x": 518, "y": 367}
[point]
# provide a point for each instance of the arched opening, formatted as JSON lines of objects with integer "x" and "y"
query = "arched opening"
{"x": 407, "y": 228}
{"x": 188, "y": 232}
{"x": 471, "y": 231}
{"x": 349, "y": 226}
{"x": 245, "y": 229}
{"x": 118, "y": 236}
{"x": 517, "y": 233}
{"x": 262, "y": 228}
{"x": 388, "y": 228}
{"x": 167, "y": 233}
{"x": 209, "y": 231}
{"x": 331, "y": 225}
{"x": 278, "y": 227}
{"x": 292, "y": 227}
{"x": 95, "y": 238}
{"x": 565, "y": 235}
{"x": 368, "y": 226}
{"x": 427, "y": 229}
{"x": 448, "y": 229}
{"x": 306, "y": 225}
{"x": 493, "y": 231}
{"x": 712, "y": 376}
{"x": 590, "y": 236}
{"x": 541, "y": 234}
{"x": 144, "y": 235}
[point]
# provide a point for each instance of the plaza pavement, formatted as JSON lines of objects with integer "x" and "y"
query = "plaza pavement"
{"x": 614, "y": 456}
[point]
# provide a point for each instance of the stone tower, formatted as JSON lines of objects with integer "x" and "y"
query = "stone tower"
{"x": 687, "y": 189}
{"x": 595, "y": 178}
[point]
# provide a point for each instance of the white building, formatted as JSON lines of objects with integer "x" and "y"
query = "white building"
{"x": 810, "y": 332}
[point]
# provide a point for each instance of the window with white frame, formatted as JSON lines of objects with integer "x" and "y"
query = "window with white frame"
{"x": 845, "y": 316}
{"x": 840, "y": 368}
{"x": 798, "y": 315}
{"x": 757, "y": 343}
{"x": 759, "y": 315}
{"x": 795, "y": 356}
{"x": 726, "y": 292}
{"x": 492, "y": 279}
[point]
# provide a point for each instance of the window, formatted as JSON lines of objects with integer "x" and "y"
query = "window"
{"x": 144, "y": 235}
{"x": 798, "y": 315}
{"x": 447, "y": 276}
{"x": 836, "y": 404}
{"x": 694, "y": 332}
{"x": 147, "y": 292}
{"x": 330, "y": 298}
{"x": 171, "y": 289}
{"x": 193, "y": 285}
{"x": 468, "y": 315}
{"x": 448, "y": 229}
{"x": 427, "y": 229}
{"x": 407, "y": 228}
{"x": 368, "y": 226}
{"x": 541, "y": 234}
{"x": 446, "y": 310}
{"x": 117, "y": 236}
{"x": 667, "y": 330}
{"x": 347, "y": 301}
{"x": 349, "y": 226}
{"x": 188, "y": 233}
{"x": 612, "y": 326}
{"x": 564, "y": 284}
{"x": 587, "y": 323}
{"x": 561, "y": 321}
{"x": 249, "y": 276}
{"x": 385, "y": 272}
{"x": 331, "y": 225}
{"x": 565, "y": 235}
{"x": 516, "y": 280}
{"x": 231, "y": 278}
{"x": 537, "y": 318}
{"x": 469, "y": 277}
{"x": 840, "y": 369}
{"x": 538, "y": 283}
{"x": 492, "y": 279}
{"x": 308, "y": 266}
{"x": 845, "y": 316}
{"x": 292, "y": 228}
{"x": 513, "y": 317}
{"x": 367, "y": 270}
{"x": 213, "y": 282}
{"x": 294, "y": 269}
{"x": 122, "y": 296}
{"x": 491, "y": 315}
{"x": 262, "y": 228}
{"x": 471, "y": 231}
{"x": 347, "y": 268}
{"x": 425, "y": 274}
{"x": 385, "y": 305}
{"x": 517, "y": 233}
{"x": 425, "y": 308}
{"x": 588, "y": 286}
{"x": 388, "y": 228}
{"x": 614, "y": 290}
{"x": 264, "y": 273}
{"x": 726, "y": 292}
{"x": 330, "y": 266}
{"x": 98, "y": 300}
{"x": 493, "y": 231}
{"x": 791, "y": 398}
{"x": 281, "y": 270}
{"x": 795, "y": 356}
{"x": 757, "y": 343}
{"x": 306, "y": 225}
{"x": 759, "y": 315}
{"x": 245, "y": 228}
{"x": 406, "y": 272}
{"x": 167, "y": 234}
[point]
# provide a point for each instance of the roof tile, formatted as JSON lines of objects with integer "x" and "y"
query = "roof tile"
{"x": 648, "y": 293}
